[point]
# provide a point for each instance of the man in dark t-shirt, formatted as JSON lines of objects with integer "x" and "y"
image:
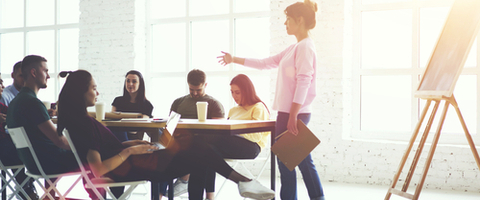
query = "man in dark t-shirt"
{"x": 27, "y": 111}
{"x": 187, "y": 107}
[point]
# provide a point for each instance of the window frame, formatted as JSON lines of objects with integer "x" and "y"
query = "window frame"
{"x": 415, "y": 72}
{"x": 53, "y": 63}
{"x": 233, "y": 69}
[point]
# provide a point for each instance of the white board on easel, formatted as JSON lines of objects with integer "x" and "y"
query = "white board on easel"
{"x": 451, "y": 51}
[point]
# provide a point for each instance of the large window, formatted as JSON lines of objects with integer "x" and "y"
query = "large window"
{"x": 43, "y": 27}
{"x": 190, "y": 34}
{"x": 393, "y": 42}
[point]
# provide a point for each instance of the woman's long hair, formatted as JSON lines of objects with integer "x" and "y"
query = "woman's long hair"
{"x": 71, "y": 101}
{"x": 141, "y": 88}
{"x": 249, "y": 96}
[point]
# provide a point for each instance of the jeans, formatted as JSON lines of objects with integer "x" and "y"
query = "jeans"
{"x": 288, "y": 189}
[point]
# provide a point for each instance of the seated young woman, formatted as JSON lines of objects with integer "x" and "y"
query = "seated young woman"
{"x": 132, "y": 160}
{"x": 132, "y": 100}
{"x": 247, "y": 146}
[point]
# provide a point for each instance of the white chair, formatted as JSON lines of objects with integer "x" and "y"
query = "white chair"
{"x": 21, "y": 141}
{"x": 263, "y": 158}
{"x": 10, "y": 178}
{"x": 104, "y": 183}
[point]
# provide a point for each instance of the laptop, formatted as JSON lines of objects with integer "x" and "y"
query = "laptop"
{"x": 170, "y": 126}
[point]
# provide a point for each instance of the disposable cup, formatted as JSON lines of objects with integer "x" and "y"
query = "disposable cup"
{"x": 47, "y": 104}
{"x": 202, "y": 110}
{"x": 100, "y": 110}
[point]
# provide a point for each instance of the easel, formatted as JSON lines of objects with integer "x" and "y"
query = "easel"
{"x": 437, "y": 84}
{"x": 448, "y": 101}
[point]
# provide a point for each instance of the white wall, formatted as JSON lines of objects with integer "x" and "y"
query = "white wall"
{"x": 111, "y": 44}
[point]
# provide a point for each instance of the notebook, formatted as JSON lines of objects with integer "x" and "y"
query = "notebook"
{"x": 291, "y": 149}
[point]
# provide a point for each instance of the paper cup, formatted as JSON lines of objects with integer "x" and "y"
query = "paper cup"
{"x": 47, "y": 104}
{"x": 100, "y": 111}
{"x": 202, "y": 110}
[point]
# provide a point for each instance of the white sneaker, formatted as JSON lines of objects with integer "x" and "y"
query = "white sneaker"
{"x": 254, "y": 190}
{"x": 179, "y": 188}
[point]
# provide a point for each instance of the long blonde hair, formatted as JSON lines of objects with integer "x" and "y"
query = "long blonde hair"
{"x": 305, "y": 9}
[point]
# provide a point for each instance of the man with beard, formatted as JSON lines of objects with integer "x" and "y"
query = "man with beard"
{"x": 187, "y": 107}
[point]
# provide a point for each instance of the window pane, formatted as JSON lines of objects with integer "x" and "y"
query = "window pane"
{"x": 42, "y": 43}
{"x": 168, "y": 48}
{"x": 382, "y": 1}
{"x": 466, "y": 96}
{"x": 167, "y": 9}
{"x": 208, "y": 7}
{"x": 386, "y": 103}
{"x": 208, "y": 39}
{"x": 252, "y": 44}
{"x": 432, "y": 21}
{"x": 11, "y": 14}
{"x": 7, "y": 81}
{"x": 387, "y": 39}
{"x": 431, "y": 24}
{"x": 11, "y": 49}
{"x": 68, "y": 49}
{"x": 251, "y": 5}
{"x": 162, "y": 101}
{"x": 472, "y": 56}
{"x": 48, "y": 94}
{"x": 68, "y": 11}
{"x": 40, "y": 12}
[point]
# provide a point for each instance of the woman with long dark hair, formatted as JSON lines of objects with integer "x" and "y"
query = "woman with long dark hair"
{"x": 136, "y": 159}
{"x": 132, "y": 100}
{"x": 295, "y": 90}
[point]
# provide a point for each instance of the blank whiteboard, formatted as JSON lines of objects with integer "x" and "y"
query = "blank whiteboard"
{"x": 450, "y": 53}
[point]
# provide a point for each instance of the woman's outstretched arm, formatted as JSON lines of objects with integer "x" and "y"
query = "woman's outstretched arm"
{"x": 227, "y": 58}
{"x": 100, "y": 168}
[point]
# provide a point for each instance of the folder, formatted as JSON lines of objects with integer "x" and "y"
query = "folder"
{"x": 291, "y": 149}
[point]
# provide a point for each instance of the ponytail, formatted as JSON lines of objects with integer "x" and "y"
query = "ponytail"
{"x": 311, "y": 4}
{"x": 306, "y": 9}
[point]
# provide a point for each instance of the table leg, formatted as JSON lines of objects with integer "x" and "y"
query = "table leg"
{"x": 170, "y": 189}
{"x": 154, "y": 188}
{"x": 272, "y": 161}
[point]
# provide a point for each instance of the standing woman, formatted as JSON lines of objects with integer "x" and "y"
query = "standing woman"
{"x": 295, "y": 91}
{"x": 133, "y": 100}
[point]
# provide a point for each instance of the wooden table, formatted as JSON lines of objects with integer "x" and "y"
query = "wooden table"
{"x": 210, "y": 126}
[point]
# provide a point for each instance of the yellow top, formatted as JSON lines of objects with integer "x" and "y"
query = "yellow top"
{"x": 257, "y": 111}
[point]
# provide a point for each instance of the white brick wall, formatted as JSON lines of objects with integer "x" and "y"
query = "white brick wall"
{"x": 112, "y": 41}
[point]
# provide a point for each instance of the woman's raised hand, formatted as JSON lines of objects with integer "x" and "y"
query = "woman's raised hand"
{"x": 225, "y": 59}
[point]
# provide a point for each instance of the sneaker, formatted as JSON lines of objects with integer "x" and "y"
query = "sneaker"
{"x": 179, "y": 187}
{"x": 254, "y": 190}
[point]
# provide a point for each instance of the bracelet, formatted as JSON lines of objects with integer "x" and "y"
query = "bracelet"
{"x": 121, "y": 157}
